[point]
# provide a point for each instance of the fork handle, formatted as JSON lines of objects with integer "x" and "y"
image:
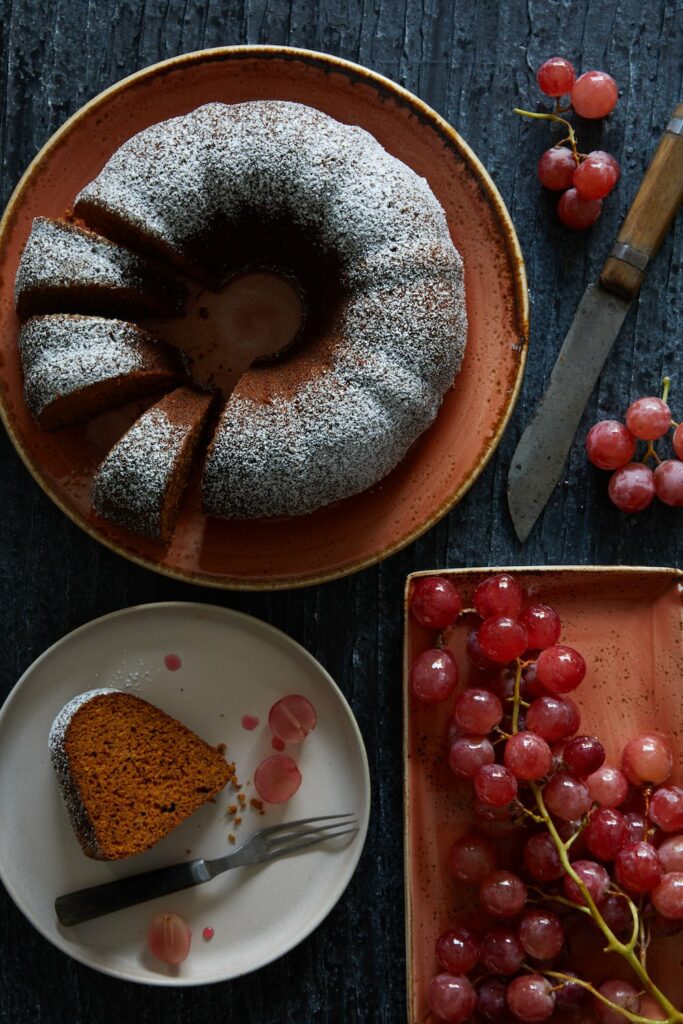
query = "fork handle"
{"x": 85, "y": 904}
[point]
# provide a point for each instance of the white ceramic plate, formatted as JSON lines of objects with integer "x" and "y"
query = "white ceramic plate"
{"x": 232, "y": 665}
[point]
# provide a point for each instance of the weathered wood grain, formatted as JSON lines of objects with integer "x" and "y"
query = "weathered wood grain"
{"x": 473, "y": 62}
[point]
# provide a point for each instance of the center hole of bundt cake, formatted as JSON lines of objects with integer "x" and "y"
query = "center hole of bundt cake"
{"x": 252, "y": 319}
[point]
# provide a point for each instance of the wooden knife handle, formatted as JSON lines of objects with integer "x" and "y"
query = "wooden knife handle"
{"x": 651, "y": 213}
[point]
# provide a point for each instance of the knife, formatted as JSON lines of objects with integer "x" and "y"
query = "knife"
{"x": 543, "y": 447}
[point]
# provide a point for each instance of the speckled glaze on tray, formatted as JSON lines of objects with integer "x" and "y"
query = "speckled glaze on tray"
{"x": 627, "y": 623}
{"x": 441, "y": 466}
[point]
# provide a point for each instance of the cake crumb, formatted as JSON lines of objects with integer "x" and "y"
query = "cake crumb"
{"x": 231, "y": 838}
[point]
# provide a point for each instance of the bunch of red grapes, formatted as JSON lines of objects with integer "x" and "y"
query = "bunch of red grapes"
{"x": 604, "y": 839}
{"x": 611, "y": 444}
{"x": 583, "y": 179}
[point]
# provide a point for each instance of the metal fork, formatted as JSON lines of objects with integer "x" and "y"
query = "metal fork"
{"x": 264, "y": 845}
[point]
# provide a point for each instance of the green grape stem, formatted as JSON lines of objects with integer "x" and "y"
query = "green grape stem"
{"x": 571, "y": 135}
{"x": 627, "y": 950}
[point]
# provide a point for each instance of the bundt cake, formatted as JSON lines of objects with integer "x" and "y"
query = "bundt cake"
{"x": 78, "y": 366}
{"x": 66, "y": 269}
{"x": 142, "y": 480}
{"x": 277, "y": 186}
{"x": 128, "y": 772}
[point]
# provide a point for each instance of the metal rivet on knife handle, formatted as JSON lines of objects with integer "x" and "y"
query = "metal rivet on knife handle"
{"x": 651, "y": 213}
{"x": 636, "y": 258}
{"x": 675, "y": 126}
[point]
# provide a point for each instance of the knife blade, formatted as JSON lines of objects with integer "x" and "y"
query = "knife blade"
{"x": 544, "y": 445}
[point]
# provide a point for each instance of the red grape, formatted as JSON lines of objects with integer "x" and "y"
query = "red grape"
{"x": 292, "y": 718}
{"x": 648, "y": 418}
{"x": 528, "y": 756}
{"x": 560, "y": 669}
{"x": 531, "y": 998}
{"x": 542, "y": 626}
{"x": 495, "y": 785}
{"x": 541, "y": 934}
{"x": 467, "y": 754}
{"x": 596, "y": 176}
{"x": 594, "y": 94}
{"x": 541, "y": 858}
{"x": 578, "y": 213}
{"x": 610, "y": 445}
{"x": 667, "y": 898}
{"x": 451, "y": 998}
{"x": 671, "y": 853}
{"x": 556, "y": 168}
{"x": 492, "y": 1003}
{"x": 677, "y": 440}
{"x": 435, "y": 602}
{"x": 498, "y": 596}
{"x": 457, "y": 950}
{"x": 593, "y": 876}
{"x": 632, "y": 488}
{"x": 666, "y": 808}
{"x": 475, "y": 654}
{"x": 501, "y": 951}
{"x": 477, "y": 711}
{"x": 552, "y": 718}
{"x": 669, "y": 482}
{"x": 638, "y": 868}
{"x": 636, "y": 827}
{"x": 569, "y": 995}
{"x": 566, "y": 797}
{"x": 608, "y": 786}
{"x": 620, "y": 992}
{"x": 169, "y": 938}
{"x": 583, "y": 755}
{"x": 472, "y": 858}
{"x": 616, "y": 913}
{"x": 503, "y": 894}
{"x": 502, "y": 684}
{"x": 502, "y": 639}
{"x": 277, "y": 778}
{"x": 433, "y": 675}
{"x": 647, "y": 758}
{"x": 605, "y": 833}
{"x": 556, "y": 76}
{"x": 651, "y": 1009}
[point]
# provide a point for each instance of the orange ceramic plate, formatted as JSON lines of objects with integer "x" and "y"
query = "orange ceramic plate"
{"x": 627, "y": 623}
{"x": 343, "y": 538}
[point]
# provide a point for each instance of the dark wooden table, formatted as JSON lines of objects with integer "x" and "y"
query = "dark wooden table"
{"x": 473, "y": 62}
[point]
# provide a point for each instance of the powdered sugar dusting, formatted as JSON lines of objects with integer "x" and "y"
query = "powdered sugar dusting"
{"x": 131, "y": 483}
{"x": 63, "y": 353}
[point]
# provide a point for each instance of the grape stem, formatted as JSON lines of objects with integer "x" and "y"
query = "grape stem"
{"x": 571, "y": 135}
{"x": 666, "y": 384}
{"x": 635, "y": 1017}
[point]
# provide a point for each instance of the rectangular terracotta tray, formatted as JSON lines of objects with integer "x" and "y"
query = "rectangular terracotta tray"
{"x": 628, "y": 624}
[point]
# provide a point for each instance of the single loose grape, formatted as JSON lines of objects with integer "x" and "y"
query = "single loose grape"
{"x": 542, "y": 625}
{"x": 648, "y": 418}
{"x": 435, "y": 602}
{"x": 566, "y": 797}
{"x": 495, "y": 785}
{"x": 594, "y": 94}
{"x": 503, "y": 894}
{"x": 556, "y": 168}
{"x": 607, "y": 786}
{"x": 666, "y": 808}
{"x": 552, "y": 718}
{"x": 169, "y": 938}
{"x": 605, "y": 833}
{"x": 457, "y": 950}
{"x": 528, "y": 756}
{"x": 541, "y": 933}
{"x": 467, "y": 754}
{"x": 583, "y": 755}
{"x": 501, "y": 951}
{"x": 531, "y": 998}
{"x": 632, "y": 487}
{"x": 556, "y": 76}
{"x": 610, "y": 444}
{"x": 477, "y": 711}
{"x": 578, "y": 213}
{"x": 637, "y": 868}
{"x": 620, "y": 992}
{"x": 667, "y": 897}
{"x": 502, "y": 639}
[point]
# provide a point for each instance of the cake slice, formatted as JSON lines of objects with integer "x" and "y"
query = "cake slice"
{"x": 141, "y": 483}
{"x": 128, "y": 772}
{"x": 67, "y": 269}
{"x": 78, "y": 366}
